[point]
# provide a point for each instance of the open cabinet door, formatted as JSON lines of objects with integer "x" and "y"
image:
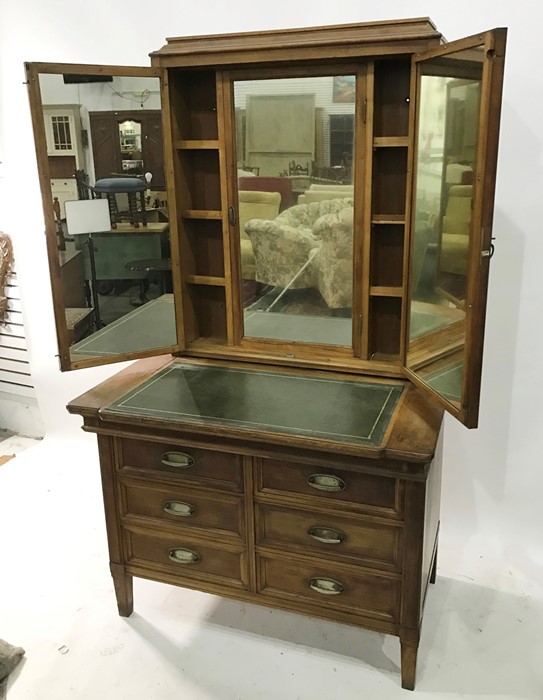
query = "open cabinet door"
{"x": 457, "y": 89}
{"x": 110, "y": 263}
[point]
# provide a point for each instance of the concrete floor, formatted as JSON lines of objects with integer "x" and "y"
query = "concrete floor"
{"x": 481, "y": 633}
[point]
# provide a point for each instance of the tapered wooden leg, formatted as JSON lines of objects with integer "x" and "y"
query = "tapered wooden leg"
{"x": 409, "y": 663}
{"x": 124, "y": 589}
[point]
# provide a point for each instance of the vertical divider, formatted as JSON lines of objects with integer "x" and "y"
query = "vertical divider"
{"x": 225, "y": 126}
{"x": 359, "y": 319}
{"x": 408, "y": 237}
{"x": 366, "y": 137}
{"x": 175, "y": 225}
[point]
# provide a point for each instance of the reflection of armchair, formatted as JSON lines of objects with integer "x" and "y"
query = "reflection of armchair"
{"x": 334, "y": 261}
{"x": 286, "y": 248}
{"x": 254, "y": 205}
{"x": 456, "y": 226}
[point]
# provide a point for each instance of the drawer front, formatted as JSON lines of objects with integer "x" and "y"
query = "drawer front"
{"x": 332, "y": 535}
{"x": 191, "y": 508}
{"x": 186, "y": 556}
{"x": 368, "y": 492}
{"x": 329, "y": 587}
{"x": 221, "y": 469}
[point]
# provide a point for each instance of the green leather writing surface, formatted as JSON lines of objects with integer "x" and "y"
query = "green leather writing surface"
{"x": 338, "y": 409}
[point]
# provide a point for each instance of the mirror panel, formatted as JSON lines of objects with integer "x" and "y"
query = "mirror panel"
{"x": 442, "y": 225}
{"x": 103, "y": 139}
{"x": 294, "y": 146}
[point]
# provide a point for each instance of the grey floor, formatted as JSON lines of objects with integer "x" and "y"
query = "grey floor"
{"x": 481, "y": 634}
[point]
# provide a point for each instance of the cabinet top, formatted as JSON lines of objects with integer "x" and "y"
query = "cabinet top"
{"x": 367, "y": 38}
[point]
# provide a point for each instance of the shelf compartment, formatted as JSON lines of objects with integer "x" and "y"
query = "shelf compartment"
{"x": 194, "y": 104}
{"x": 207, "y": 280}
{"x": 391, "y": 97}
{"x": 203, "y": 253}
{"x": 390, "y": 141}
{"x": 203, "y": 214}
{"x": 384, "y": 326}
{"x": 393, "y": 219}
{"x": 197, "y": 144}
{"x": 207, "y": 312}
{"x": 384, "y": 291}
{"x": 389, "y": 181}
{"x": 387, "y": 248}
{"x": 199, "y": 178}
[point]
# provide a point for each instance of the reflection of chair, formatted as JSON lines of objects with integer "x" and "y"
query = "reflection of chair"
{"x": 270, "y": 184}
{"x": 334, "y": 261}
{"x": 285, "y": 249}
{"x": 254, "y": 205}
{"x": 132, "y": 187}
{"x": 456, "y": 227}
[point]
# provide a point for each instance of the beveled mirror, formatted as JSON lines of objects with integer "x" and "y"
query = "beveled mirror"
{"x": 99, "y": 135}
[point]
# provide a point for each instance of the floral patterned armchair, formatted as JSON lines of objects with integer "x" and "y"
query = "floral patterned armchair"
{"x": 286, "y": 249}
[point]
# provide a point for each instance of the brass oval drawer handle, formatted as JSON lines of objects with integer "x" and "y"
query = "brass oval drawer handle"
{"x": 179, "y": 508}
{"x": 326, "y": 482}
{"x": 177, "y": 459}
{"x": 328, "y": 535}
{"x": 326, "y": 586}
{"x": 183, "y": 556}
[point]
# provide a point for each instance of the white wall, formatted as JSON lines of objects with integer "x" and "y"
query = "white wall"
{"x": 494, "y": 475}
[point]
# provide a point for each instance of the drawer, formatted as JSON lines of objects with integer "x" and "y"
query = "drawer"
{"x": 377, "y": 494}
{"x": 186, "y": 556}
{"x": 207, "y": 467}
{"x": 329, "y": 587}
{"x": 218, "y": 512}
{"x": 334, "y": 536}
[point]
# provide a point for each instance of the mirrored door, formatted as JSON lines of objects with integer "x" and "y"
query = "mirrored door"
{"x": 98, "y": 135}
{"x": 458, "y": 97}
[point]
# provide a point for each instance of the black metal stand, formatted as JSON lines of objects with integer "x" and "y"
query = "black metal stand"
{"x": 97, "y": 320}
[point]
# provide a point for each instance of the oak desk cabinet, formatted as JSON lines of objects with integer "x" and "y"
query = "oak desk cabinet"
{"x": 281, "y": 450}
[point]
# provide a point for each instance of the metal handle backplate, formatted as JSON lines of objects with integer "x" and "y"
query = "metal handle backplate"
{"x": 326, "y": 586}
{"x": 326, "y": 482}
{"x": 328, "y": 535}
{"x": 183, "y": 510}
{"x": 180, "y": 460}
{"x": 179, "y": 555}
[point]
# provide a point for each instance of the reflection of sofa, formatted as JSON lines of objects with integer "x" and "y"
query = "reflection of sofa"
{"x": 254, "y": 205}
{"x": 308, "y": 245}
{"x": 455, "y": 228}
{"x": 317, "y": 193}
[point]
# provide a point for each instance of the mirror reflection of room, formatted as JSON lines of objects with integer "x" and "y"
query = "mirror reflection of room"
{"x": 294, "y": 146}
{"x": 104, "y": 140}
{"x": 445, "y": 168}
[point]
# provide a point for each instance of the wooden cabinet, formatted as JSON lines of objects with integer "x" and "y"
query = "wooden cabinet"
{"x": 107, "y": 145}
{"x": 286, "y": 455}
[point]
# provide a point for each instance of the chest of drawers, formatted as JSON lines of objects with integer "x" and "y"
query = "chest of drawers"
{"x": 321, "y": 527}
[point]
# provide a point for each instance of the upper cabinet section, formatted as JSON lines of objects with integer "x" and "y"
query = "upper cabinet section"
{"x": 309, "y": 197}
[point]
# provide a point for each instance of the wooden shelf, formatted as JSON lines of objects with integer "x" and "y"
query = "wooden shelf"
{"x": 206, "y": 280}
{"x": 381, "y": 291}
{"x": 388, "y": 219}
{"x": 202, "y": 214}
{"x": 197, "y": 144}
{"x": 390, "y": 141}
